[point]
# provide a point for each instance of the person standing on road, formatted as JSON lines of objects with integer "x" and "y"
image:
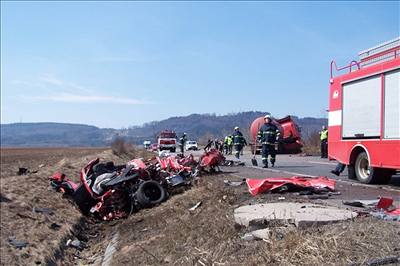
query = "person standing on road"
{"x": 268, "y": 135}
{"x": 238, "y": 142}
{"x": 323, "y": 134}
{"x": 230, "y": 144}
{"x": 221, "y": 146}
{"x": 208, "y": 145}
{"x": 226, "y": 147}
{"x": 182, "y": 142}
{"x": 216, "y": 144}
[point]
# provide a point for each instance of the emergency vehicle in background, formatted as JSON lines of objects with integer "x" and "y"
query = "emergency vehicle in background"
{"x": 364, "y": 114}
{"x": 167, "y": 140}
{"x": 146, "y": 144}
{"x": 290, "y": 138}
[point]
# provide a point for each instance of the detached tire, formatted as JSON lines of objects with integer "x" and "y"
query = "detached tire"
{"x": 367, "y": 174}
{"x": 150, "y": 193}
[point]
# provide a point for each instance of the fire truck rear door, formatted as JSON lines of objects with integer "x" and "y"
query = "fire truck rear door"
{"x": 362, "y": 108}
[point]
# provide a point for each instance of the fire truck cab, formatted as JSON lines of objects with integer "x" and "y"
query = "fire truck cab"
{"x": 364, "y": 114}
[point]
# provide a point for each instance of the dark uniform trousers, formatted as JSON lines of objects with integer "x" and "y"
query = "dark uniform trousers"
{"x": 268, "y": 149}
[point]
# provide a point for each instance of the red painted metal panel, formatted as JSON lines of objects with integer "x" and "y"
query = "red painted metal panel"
{"x": 382, "y": 153}
{"x": 335, "y": 96}
{"x": 382, "y": 104}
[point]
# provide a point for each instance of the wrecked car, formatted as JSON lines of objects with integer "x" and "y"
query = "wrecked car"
{"x": 110, "y": 191}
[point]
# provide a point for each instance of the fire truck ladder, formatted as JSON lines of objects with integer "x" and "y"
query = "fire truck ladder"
{"x": 378, "y": 54}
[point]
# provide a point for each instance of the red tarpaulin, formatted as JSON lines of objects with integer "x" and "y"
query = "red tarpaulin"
{"x": 257, "y": 186}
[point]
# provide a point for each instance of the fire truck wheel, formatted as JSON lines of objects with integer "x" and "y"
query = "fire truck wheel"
{"x": 364, "y": 173}
{"x": 351, "y": 172}
{"x": 367, "y": 174}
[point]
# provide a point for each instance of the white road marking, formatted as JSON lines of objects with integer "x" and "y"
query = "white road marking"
{"x": 322, "y": 163}
{"x": 370, "y": 186}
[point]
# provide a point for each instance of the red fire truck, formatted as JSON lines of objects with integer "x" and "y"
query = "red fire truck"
{"x": 364, "y": 114}
{"x": 167, "y": 140}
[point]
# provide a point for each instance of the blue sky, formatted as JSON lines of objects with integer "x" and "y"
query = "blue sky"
{"x": 118, "y": 64}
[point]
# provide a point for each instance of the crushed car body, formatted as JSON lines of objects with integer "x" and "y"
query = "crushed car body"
{"x": 110, "y": 191}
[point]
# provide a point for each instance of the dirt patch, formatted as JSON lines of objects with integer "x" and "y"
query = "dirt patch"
{"x": 32, "y": 158}
{"x": 33, "y": 212}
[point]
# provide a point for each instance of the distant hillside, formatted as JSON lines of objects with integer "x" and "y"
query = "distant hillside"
{"x": 204, "y": 126}
{"x": 53, "y": 134}
{"x": 197, "y": 126}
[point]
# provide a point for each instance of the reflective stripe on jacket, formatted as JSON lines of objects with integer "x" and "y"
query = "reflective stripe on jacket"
{"x": 268, "y": 134}
{"x": 238, "y": 138}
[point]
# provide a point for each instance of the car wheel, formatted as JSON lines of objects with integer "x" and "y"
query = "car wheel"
{"x": 150, "y": 193}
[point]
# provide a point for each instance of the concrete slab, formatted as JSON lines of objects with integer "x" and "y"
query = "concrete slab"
{"x": 262, "y": 233}
{"x": 284, "y": 213}
{"x": 268, "y": 233}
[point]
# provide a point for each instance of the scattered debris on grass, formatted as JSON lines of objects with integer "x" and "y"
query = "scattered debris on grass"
{"x": 47, "y": 211}
{"x": 25, "y": 171}
{"x": 17, "y": 243}
{"x": 381, "y": 208}
{"x": 195, "y": 206}
{"x": 4, "y": 199}
{"x": 233, "y": 183}
{"x": 383, "y": 261}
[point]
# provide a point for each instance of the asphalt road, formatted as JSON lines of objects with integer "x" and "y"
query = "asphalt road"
{"x": 313, "y": 166}
{"x": 306, "y": 165}
{"x": 291, "y": 165}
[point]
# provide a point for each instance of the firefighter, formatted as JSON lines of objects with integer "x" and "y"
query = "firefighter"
{"x": 268, "y": 135}
{"x": 238, "y": 142}
{"x": 216, "y": 144}
{"x": 221, "y": 146}
{"x": 230, "y": 144}
{"x": 226, "y": 147}
{"x": 209, "y": 144}
{"x": 323, "y": 135}
{"x": 182, "y": 142}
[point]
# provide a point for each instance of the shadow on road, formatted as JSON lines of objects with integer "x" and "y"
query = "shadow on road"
{"x": 395, "y": 181}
